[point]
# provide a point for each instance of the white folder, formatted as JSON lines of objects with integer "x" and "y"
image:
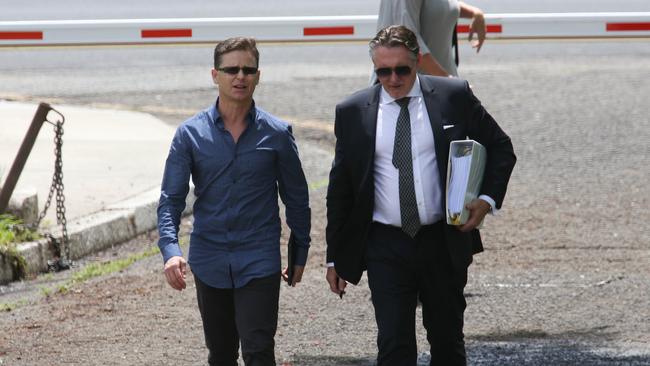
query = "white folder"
{"x": 464, "y": 178}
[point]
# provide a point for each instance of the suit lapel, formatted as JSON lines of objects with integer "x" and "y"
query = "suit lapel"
{"x": 435, "y": 118}
{"x": 370, "y": 118}
{"x": 369, "y": 123}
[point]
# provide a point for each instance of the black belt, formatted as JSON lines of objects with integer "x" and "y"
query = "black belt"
{"x": 438, "y": 225}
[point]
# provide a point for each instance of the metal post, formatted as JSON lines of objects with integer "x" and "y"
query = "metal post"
{"x": 22, "y": 155}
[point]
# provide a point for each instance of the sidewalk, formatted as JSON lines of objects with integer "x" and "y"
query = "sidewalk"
{"x": 112, "y": 168}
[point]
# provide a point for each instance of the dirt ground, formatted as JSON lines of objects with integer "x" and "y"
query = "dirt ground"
{"x": 564, "y": 279}
{"x": 575, "y": 297}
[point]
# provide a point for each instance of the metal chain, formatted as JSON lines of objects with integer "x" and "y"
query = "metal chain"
{"x": 61, "y": 249}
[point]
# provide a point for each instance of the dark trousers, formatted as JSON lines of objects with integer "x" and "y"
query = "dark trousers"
{"x": 249, "y": 314}
{"x": 401, "y": 270}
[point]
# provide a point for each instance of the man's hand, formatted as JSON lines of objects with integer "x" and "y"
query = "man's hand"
{"x": 175, "y": 271}
{"x": 478, "y": 208}
{"x": 297, "y": 275}
{"x": 477, "y": 26}
{"x": 337, "y": 284}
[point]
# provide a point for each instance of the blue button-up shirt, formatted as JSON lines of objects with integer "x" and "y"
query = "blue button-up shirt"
{"x": 236, "y": 233}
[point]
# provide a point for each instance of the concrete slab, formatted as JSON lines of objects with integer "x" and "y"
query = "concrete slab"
{"x": 112, "y": 168}
{"x": 107, "y": 155}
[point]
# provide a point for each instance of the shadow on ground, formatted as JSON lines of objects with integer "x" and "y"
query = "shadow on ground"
{"x": 536, "y": 347}
{"x": 531, "y": 348}
{"x": 541, "y": 352}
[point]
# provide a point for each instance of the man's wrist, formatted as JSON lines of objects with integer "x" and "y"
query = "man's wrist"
{"x": 493, "y": 206}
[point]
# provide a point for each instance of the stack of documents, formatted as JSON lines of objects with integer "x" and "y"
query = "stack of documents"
{"x": 464, "y": 178}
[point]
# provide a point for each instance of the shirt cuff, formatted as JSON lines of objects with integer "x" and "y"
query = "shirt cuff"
{"x": 491, "y": 202}
{"x": 170, "y": 250}
{"x": 330, "y": 264}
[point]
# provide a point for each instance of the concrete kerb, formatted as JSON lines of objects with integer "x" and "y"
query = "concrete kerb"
{"x": 115, "y": 224}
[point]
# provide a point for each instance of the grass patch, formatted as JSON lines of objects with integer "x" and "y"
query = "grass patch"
{"x": 91, "y": 271}
{"x": 314, "y": 186}
{"x": 100, "y": 269}
{"x": 9, "y": 306}
{"x": 12, "y": 231}
{"x": 46, "y": 291}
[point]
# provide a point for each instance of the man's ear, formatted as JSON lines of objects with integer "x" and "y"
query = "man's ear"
{"x": 417, "y": 63}
{"x": 214, "y": 73}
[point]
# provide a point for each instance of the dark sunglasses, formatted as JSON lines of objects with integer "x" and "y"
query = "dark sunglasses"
{"x": 387, "y": 71}
{"x": 234, "y": 70}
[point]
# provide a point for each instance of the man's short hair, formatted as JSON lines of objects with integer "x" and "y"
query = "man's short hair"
{"x": 235, "y": 44}
{"x": 395, "y": 36}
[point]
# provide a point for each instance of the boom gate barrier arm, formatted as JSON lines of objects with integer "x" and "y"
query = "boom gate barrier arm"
{"x": 306, "y": 28}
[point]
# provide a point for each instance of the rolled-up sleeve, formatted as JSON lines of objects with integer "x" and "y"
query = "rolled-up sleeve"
{"x": 294, "y": 193}
{"x": 174, "y": 190}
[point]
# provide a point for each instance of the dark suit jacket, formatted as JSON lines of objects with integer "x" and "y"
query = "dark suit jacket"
{"x": 350, "y": 195}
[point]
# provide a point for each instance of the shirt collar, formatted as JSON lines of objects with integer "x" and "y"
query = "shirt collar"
{"x": 215, "y": 117}
{"x": 416, "y": 91}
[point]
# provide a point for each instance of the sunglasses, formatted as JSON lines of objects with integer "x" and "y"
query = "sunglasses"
{"x": 234, "y": 70}
{"x": 387, "y": 71}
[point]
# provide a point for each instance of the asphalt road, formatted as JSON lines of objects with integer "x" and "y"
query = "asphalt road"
{"x": 134, "y": 9}
{"x": 174, "y": 81}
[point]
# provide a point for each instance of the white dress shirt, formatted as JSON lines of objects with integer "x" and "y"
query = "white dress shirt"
{"x": 426, "y": 178}
{"x": 428, "y": 188}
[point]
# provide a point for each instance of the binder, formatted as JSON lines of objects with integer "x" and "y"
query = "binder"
{"x": 465, "y": 170}
{"x": 291, "y": 257}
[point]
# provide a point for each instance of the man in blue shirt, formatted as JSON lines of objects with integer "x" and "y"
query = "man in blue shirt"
{"x": 239, "y": 158}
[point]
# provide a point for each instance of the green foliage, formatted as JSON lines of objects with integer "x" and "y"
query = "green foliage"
{"x": 314, "y": 186}
{"x": 10, "y": 306}
{"x": 99, "y": 269}
{"x": 12, "y": 231}
{"x": 45, "y": 291}
{"x": 6, "y": 306}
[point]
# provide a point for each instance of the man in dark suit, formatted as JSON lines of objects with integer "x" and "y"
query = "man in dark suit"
{"x": 385, "y": 206}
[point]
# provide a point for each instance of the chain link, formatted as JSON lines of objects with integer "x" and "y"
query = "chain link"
{"x": 62, "y": 247}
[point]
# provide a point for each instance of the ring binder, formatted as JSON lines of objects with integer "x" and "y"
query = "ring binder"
{"x": 465, "y": 170}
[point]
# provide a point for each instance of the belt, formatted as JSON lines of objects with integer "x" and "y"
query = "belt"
{"x": 423, "y": 229}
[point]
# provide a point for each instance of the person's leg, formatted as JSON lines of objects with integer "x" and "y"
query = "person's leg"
{"x": 392, "y": 282}
{"x": 218, "y": 315}
{"x": 443, "y": 302}
{"x": 256, "y": 314}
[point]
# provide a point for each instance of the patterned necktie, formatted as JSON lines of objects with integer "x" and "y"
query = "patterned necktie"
{"x": 403, "y": 161}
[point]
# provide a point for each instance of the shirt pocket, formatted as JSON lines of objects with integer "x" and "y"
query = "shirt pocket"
{"x": 453, "y": 130}
{"x": 259, "y": 166}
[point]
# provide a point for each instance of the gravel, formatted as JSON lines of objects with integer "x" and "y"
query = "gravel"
{"x": 564, "y": 279}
